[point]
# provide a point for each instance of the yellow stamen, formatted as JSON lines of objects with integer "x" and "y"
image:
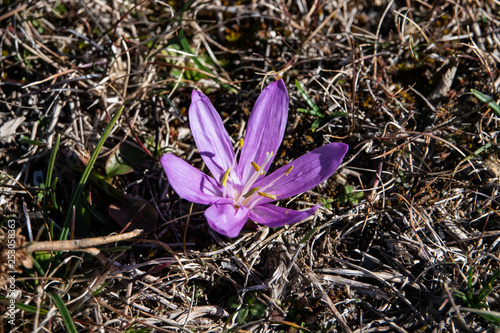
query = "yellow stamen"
{"x": 252, "y": 191}
{"x": 224, "y": 178}
{"x": 241, "y": 143}
{"x": 268, "y": 195}
{"x": 259, "y": 170}
{"x": 288, "y": 170}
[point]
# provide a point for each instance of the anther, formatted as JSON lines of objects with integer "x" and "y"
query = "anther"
{"x": 288, "y": 170}
{"x": 224, "y": 178}
{"x": 252, "y": 191}
{"x": 268, "y": 195}
{"x": 259, "y": 171}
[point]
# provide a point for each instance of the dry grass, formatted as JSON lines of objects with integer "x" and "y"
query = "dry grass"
{"x": 408, "y": 236}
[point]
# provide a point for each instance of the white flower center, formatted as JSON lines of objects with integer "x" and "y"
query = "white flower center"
{"x": 250, "y": 196}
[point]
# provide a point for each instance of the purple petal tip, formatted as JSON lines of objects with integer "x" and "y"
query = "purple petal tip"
{"x": 197, "y": 95}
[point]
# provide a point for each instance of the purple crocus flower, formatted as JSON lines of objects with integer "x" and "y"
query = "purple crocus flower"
{"x": 239, "y": 189}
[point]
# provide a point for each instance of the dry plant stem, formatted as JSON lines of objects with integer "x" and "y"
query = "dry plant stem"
{"x": 184, "y": 239}
{"x": 381, "y": 314}
{"x": 366, "y": 271}
{"x": 177, "y": 219}
{"x": 13, "y": 12}
{"x": 318, "y": 29}
{"x": 327, "y": 299}
{"x": 38, "y": 303}
{"x": 41, "y": 55}
{"x": 93, "y": 286}
{"x": 133, "y": 319}
{"x": 81, "y": 244}
{"x": 455, "y": 307}
{"x": 172, "y": 252}
{"x": 377, "y": 37}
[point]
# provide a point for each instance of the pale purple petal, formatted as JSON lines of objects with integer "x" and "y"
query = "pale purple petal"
{"x": 190, "y": 183}
{"x": 227, "y": 219}
{"x": 210, "y": 135}
{"x": 273, "y": 216}
{"x": 308, "y": 171}
{"x": 265, "y": 128}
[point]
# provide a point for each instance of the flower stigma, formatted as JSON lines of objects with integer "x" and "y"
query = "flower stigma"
{"x": 252, "y": 196}
{"x": 247, "y": 192}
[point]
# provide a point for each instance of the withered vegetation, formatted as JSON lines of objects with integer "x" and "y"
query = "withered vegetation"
{"x": 407, "y": 238}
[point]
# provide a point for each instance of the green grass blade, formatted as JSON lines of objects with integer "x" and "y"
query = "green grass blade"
{"x": 486, "y": 290}
{"x": 53, "y": 194}
{"x": 337, "y": 114}
{"x": 460, "y": 295}
{"x": 27, "y": 141}
{"x": 312, "y": 105}
{"x": 86, "y": 174}
{"x": 480, "y": 96}
{"x": 487, "y": 99}
{"x": 48, "y": 180}
{"x": 492, "y": 316}
{"x": 25, "y": 307}
{"x": 63, "y": 310}
{"x": 483, "y": 148}
{"x": 477, "y": 152}
{"x": 308, "y": 235}
{"x": 470, "y": 278}
{"x": 316, "y": 124}
{"x": 37, "y": 266}
{"x": 311, "y": 112}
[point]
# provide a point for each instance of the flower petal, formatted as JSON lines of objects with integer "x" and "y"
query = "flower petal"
{"x": 227, "y": 219}
{"x": 265, "y": 128}
{"x": 308, "y": 171}
{"x": 274, "y": 216}
{"x": 190, "y": 183}
{"x": 210, "y": 135}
